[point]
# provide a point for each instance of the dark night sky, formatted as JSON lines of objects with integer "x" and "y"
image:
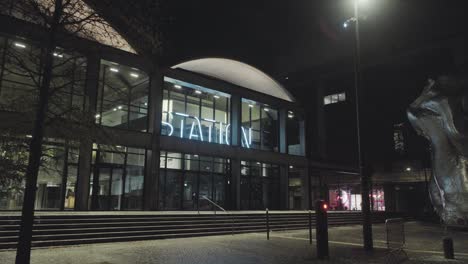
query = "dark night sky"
{"x": 287, "y": 37}
{"x": 280, "y": 37}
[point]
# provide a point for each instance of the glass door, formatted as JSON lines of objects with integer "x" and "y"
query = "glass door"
{"x": 190, "y": 191}
{"x": 116, "y": 189}
{"x": 206, "y": 186}
{"x": 219, "y": 192}
{"x": 107, "y": 188}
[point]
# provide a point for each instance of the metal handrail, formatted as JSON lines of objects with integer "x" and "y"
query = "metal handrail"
{"x": 213, "y": 203}
{"x": 217, "y": 205}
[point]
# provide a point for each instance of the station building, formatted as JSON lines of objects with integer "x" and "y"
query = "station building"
{"x": 209, "y": 128}
{"x": 122, "y": 135}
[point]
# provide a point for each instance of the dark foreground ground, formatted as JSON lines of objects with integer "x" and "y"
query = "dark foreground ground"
{"x": 424, "y": 245}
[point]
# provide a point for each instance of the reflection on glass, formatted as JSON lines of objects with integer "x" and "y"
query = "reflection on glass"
{"x": 260, "y": 126}
{"x": 294, "y": 132}
{"x": 259, "y": 186}
{"x": 184, "y": 186}
{"x": 122, "y": 97}
{"x": 172, "y": 190}
{"x": 295, "y": 188}
{"x": 116, "y": 189}
{"x": 118, "y": 178}
{"x": 20, "y": 63}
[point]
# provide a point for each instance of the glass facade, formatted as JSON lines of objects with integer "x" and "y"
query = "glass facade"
{"x": 59, "y": 160}
{"x": 260, "y": 187}
{"x": 189, "y": 111}
{"x": 68, "y": 86}
{"x": 20, "y": 69}
{"x": 260, "y": 127}
{"x": 117, "y": 178}
{"x": 14, "y": 159}
{"x": 378, "y": 199}
{"x": 295, "y": 188}
{"x": 350, "y": 198}
{"x": 186, "y": 179}
{"x": 56, "y": 179}
{"x": 294, "y": 133}
{"x": 195, "y": 112}
{"x": 122, "y": 97}
{"x": 19, "y": 75}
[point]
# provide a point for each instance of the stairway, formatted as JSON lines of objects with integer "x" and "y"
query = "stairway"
{"x": 57, "y": 229}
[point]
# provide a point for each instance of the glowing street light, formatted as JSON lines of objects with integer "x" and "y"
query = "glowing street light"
{"x": 363, "y": 167}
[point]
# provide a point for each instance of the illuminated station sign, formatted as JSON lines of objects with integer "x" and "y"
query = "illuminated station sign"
{"x": 210, "y": 131}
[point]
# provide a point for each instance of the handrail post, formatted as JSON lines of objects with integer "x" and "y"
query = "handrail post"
{"x": 232, "y": 224}
{"x": 310, "y": 227}
{"x": 217, "y": 206}
{"x": 268, "y": 224}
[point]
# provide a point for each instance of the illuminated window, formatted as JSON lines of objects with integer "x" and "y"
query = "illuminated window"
{"x": 122, "y": 97}
{"x": 194, "y": 112}
{"x": 260, "y": 126}
{"x": 334, "y": 98}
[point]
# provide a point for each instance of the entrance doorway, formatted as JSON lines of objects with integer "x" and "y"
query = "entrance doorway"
{"x": 107, "y": 188}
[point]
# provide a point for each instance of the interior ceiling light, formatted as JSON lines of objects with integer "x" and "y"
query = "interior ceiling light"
{"x": 177, "y": 86}
{"x": 20, "y": 45}
{"x": 134, "y": 75}
{"x": 114, "y": 70}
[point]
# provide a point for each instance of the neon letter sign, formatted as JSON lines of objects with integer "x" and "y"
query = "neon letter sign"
{"x": 196, "y": 130}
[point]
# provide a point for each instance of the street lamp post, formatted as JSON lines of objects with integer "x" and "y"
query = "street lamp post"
{"x": 364, "y": 170}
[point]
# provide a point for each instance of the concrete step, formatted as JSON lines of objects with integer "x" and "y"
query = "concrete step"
{"x": 56, "y": 230}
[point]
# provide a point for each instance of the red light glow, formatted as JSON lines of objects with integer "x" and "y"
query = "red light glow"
{"x": 325, "y": 206}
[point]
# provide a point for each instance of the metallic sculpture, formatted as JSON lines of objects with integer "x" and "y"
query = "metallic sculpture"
{"x": 441, "y": 115}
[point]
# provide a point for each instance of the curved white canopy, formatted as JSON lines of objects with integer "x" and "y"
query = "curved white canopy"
{"x": 237, "y": 73}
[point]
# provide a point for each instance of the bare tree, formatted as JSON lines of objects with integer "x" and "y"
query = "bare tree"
{"x": 48, "y": 101}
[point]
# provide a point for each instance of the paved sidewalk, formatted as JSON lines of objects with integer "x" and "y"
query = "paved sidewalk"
{"x": 283, "y": 248}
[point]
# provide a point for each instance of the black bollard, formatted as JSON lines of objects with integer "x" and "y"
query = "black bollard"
{"x": 448, "y": 248}
{"x": 321, "y": 229}
{"x": 268, "y": 224}
{"x": 310, "y": 227}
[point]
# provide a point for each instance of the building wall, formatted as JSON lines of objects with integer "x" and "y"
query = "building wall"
{"x": 110, "y": 140}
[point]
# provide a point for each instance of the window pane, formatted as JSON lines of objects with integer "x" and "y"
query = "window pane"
{"x": 294, "y": 132}
{"x": 118, "y": 175}
{"x": 21, "y": 75}
{"x": 122, "y": 97}
{"x": 195, "y": 113}
{"x": 259, "y": 186}
{"x": 259, "y": 126}
{"x": 342, "y": 97}
{"x": 134, "y": 187}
